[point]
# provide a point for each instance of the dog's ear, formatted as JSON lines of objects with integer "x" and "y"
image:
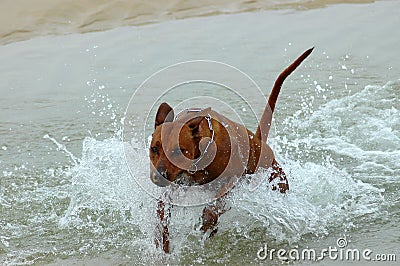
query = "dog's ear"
{"x": 164, "y": 114}
{"x": 194, "y": 124}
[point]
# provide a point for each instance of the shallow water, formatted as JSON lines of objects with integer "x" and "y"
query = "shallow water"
{"x": 66, "y": 195}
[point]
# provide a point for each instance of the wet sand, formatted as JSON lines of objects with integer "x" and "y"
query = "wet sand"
{"x": 22, "y": 19}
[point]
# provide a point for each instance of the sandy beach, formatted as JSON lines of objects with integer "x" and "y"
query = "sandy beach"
{"x": 24, "y": 19}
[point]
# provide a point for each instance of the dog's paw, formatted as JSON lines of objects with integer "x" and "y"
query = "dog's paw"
{"x": 161, "y": 239}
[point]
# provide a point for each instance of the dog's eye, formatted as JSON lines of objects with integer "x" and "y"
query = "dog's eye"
{"x": 154, "y": 149}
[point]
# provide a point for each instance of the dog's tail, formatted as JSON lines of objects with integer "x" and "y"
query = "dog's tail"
{"x": 266, "y": 118}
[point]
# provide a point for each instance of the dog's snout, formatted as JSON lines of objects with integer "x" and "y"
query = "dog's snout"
{"x": 160, "y": 177}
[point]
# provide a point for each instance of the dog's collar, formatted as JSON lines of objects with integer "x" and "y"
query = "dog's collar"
{"x": 193, "y": 169}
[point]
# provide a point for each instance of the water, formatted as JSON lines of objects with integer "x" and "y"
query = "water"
{"x": 66, "y": 195}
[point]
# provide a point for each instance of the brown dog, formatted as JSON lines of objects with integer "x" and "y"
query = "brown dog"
{"x": 200, "y": 146}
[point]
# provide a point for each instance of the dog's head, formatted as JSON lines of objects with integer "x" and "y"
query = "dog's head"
{"x": 174, "y": 146}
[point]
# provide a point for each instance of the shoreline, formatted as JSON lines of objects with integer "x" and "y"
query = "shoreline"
{"x": 23, "y": 20}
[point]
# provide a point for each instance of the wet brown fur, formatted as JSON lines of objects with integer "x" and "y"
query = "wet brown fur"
{"x": 191, "y": 127}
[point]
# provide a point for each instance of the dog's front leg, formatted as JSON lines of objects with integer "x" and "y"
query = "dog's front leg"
{"x": 162, "y": 233}
{"x": 210, "y": 216}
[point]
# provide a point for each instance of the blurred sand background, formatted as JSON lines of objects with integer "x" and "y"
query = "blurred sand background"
{"x": 24, "y": 19}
